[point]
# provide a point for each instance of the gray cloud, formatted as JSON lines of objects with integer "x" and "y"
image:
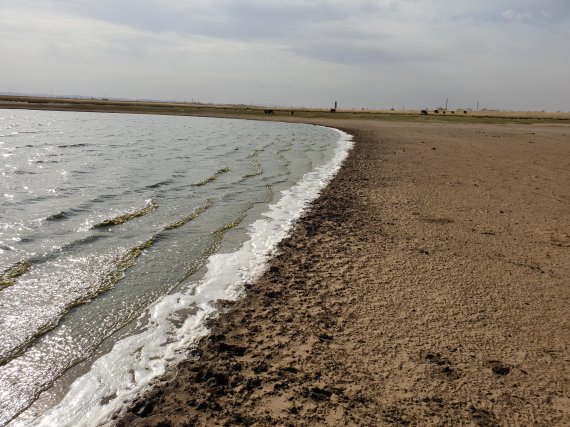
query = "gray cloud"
{"x": 351, "y": 54}
{"x": 294, "y": 52}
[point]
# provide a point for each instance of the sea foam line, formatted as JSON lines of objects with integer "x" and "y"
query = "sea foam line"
{"x": 134, "y": 361}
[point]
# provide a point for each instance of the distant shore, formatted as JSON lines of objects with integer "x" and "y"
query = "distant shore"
{"x": 276, "y": 113}
{"x": 426, "y": 286}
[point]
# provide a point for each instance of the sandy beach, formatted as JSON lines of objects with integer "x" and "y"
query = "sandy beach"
{"x": 428, "y": 285}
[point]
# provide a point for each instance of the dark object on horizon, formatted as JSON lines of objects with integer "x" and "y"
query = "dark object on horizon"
{"x": 424, "y": 112}
{"x": 333, "y": 110}
{"x": 268, "y": 112}
{"x": 464, "y": 111}
{"x": 453, "y": 112}
{"x": 444, "y": 111}
{"x": 436, "y": 111}
{"x": 292, "y": 112}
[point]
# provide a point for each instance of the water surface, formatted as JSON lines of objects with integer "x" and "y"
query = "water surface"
{"x": 108, "y": 223}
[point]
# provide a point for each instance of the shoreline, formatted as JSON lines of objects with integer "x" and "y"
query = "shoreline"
{"x": 424, "y": 286}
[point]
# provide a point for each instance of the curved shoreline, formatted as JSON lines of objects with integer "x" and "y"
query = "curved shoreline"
{"x": 426, "y": 285}
{"x": 224, "y": 279}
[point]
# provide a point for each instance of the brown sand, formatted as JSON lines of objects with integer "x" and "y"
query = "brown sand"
{"x": 428, "y": 285}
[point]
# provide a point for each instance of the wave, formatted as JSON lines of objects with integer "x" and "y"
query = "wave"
{"x": 74, "y": 145}
{"x": 150, "y": 206}
{"x": 258, "y": 170}
{"x": 71, "y": 245}
{"x": 9, "y": 276}
{"x": 109, "y": 279}
{"x": 24, "y": 172}
{"x": 44, "y": 162}
{"x": 193, "y": 215}
{"x": 219, "y": 233}
{"x": 9, "y": 135}
{"x": 58, "y": 216}
{"x": 212, "y": 177}
{"x": 270, "y": 195}
{"x": 217, "y": 237}
{"x": 160, "y": 184}
{"x": 122, "y": 263}
{"x": 134, "y": 361}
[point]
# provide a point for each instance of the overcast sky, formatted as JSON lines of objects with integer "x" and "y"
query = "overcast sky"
{"x": 507, "y": 54}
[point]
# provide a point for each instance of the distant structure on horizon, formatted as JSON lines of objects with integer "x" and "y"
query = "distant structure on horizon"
{"x": 333, "y": 110}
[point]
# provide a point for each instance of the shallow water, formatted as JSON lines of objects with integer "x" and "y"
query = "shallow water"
{"x": 108, "y": 223}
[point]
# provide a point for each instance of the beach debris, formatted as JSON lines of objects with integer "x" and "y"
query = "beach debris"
{"x": 319, "y": 394}
{"x": 273, "y": 294}
{"x": 202, "y": 406}
{"x": 234, "y": 350}
{"x": 213, "y": 379}
{"x": 253, "y": 383}
{"x": 444, "y": 363}
{"x": 143, "y": 408}
{"x": 499, "y": 368}
{"x": 436, "y": 358}
{"x": 217, "y": 337}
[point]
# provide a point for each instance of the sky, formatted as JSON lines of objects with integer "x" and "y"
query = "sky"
{"x": 504, "y": 54}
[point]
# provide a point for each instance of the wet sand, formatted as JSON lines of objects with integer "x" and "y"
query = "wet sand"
{"x": 428, "y": 285}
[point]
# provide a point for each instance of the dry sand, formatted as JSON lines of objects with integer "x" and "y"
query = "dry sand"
{"x": 428, "y": 285}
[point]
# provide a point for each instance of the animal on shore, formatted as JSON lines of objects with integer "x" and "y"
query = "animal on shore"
{"x": 268, "y": 112}
{"x": 424, "y": 112}
{"x": 333, "y": 110}
{"x": 436, "y": 111}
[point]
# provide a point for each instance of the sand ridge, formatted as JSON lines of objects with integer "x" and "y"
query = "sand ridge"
{"x": 428, "y": 285}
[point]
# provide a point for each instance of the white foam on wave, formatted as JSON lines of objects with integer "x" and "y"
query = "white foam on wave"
{"x": 136, "y": 360}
